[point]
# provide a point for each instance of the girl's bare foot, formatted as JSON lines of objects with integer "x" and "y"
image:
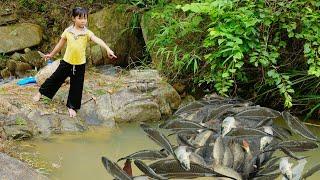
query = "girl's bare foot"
{"x": 72, "y": 113}
{"x": 37, "y": 97}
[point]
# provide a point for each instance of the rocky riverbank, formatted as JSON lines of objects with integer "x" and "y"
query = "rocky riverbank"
{"x": 108, "y": 99}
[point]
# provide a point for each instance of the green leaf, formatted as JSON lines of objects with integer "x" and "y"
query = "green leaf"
{"x": 225, "y": 74}
{"x": 232, "y": 70}
{"x": 307, "y": 48}
{"x": 238, "y": 55}
{"x": 220, "y": 41}
{"x": 239, "y": 64}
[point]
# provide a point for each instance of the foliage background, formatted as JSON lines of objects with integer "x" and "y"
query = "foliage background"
{"x": 258, "y": 50}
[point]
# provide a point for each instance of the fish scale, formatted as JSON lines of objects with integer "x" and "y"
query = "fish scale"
{"x": 172, "y": 165}
{"x": 227, "y": 157}
{"x": 218, "y": 151}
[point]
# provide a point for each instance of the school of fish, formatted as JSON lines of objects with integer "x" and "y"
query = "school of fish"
{"x": 223, "y": 139}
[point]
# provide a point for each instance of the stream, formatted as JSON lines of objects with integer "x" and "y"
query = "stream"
{"x": 78, "y": 156}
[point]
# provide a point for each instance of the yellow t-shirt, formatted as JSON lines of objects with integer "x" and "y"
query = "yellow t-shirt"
{"x": 76, "y": 45}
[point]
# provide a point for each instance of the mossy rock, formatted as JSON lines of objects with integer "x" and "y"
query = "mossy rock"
{"x": 112, "y": 24}
{"x": 19, "y": 36}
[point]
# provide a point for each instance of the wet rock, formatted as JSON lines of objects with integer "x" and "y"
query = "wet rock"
{"x": 139, "y": 111}
{"x": 46, "y": 124}
{"x": 72, "y": 124}
{"x": 88, "y": 113}
{"x": 124, "y": 97}
{"x": 42, "y": 124}
{"x": 167, "y": 96}
{"x": 12, "y": 168}
{"x": 105, "y": 111}
{"x": 145, "y": 98}
{"x": 18, "y": 132}
{"x": 98, "y": 112}
{"x": 18, "y": 127}
{"x": 19, "y": 36}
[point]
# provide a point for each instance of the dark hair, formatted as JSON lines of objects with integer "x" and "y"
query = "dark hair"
{"x": 79, "y": 11}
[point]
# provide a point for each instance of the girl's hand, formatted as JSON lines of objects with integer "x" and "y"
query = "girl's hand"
{"x": 47, "y": 56}
{"x": 111, "y": 54}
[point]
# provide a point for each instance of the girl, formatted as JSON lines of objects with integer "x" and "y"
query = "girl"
{"x": 73, "y": 63}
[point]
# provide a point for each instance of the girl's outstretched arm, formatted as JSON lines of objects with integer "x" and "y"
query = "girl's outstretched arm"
{"x": 104, "y": 45}
{"x": 56, "y": 49}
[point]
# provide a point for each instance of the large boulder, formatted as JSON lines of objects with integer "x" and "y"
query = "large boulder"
{"x": 12, "y": 169}
{"x": 139, "y": 111}
{"x": 99, "y": 112}
{"x": 19, "y": 36}
{"x": 23, "y": 119}
{"x": 142, "y": 96}
{"x": 54, "y": 123}
{"x": 112, "y": 24}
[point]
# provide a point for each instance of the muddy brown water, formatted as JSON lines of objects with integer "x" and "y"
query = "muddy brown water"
{"x": 78, "y": 156}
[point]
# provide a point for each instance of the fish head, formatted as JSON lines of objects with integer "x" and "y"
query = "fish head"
{"x": 286, "y": 168}
{"x": 288, "y": 175}
{"x": 229, "y": 121}
{"x": 114, "y": 169}
{"x": 185, "y": 165}
{"x": 225, "y": 130}
{"x": 184, "y": 160}
{"x": 227, "y": 124}
{"x": 183, "y": 157}
{"x": 268, "y": 129}
{"x": 264, "y": 141}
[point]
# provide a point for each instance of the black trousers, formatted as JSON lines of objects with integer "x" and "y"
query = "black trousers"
{"x": 54, "y": 82}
